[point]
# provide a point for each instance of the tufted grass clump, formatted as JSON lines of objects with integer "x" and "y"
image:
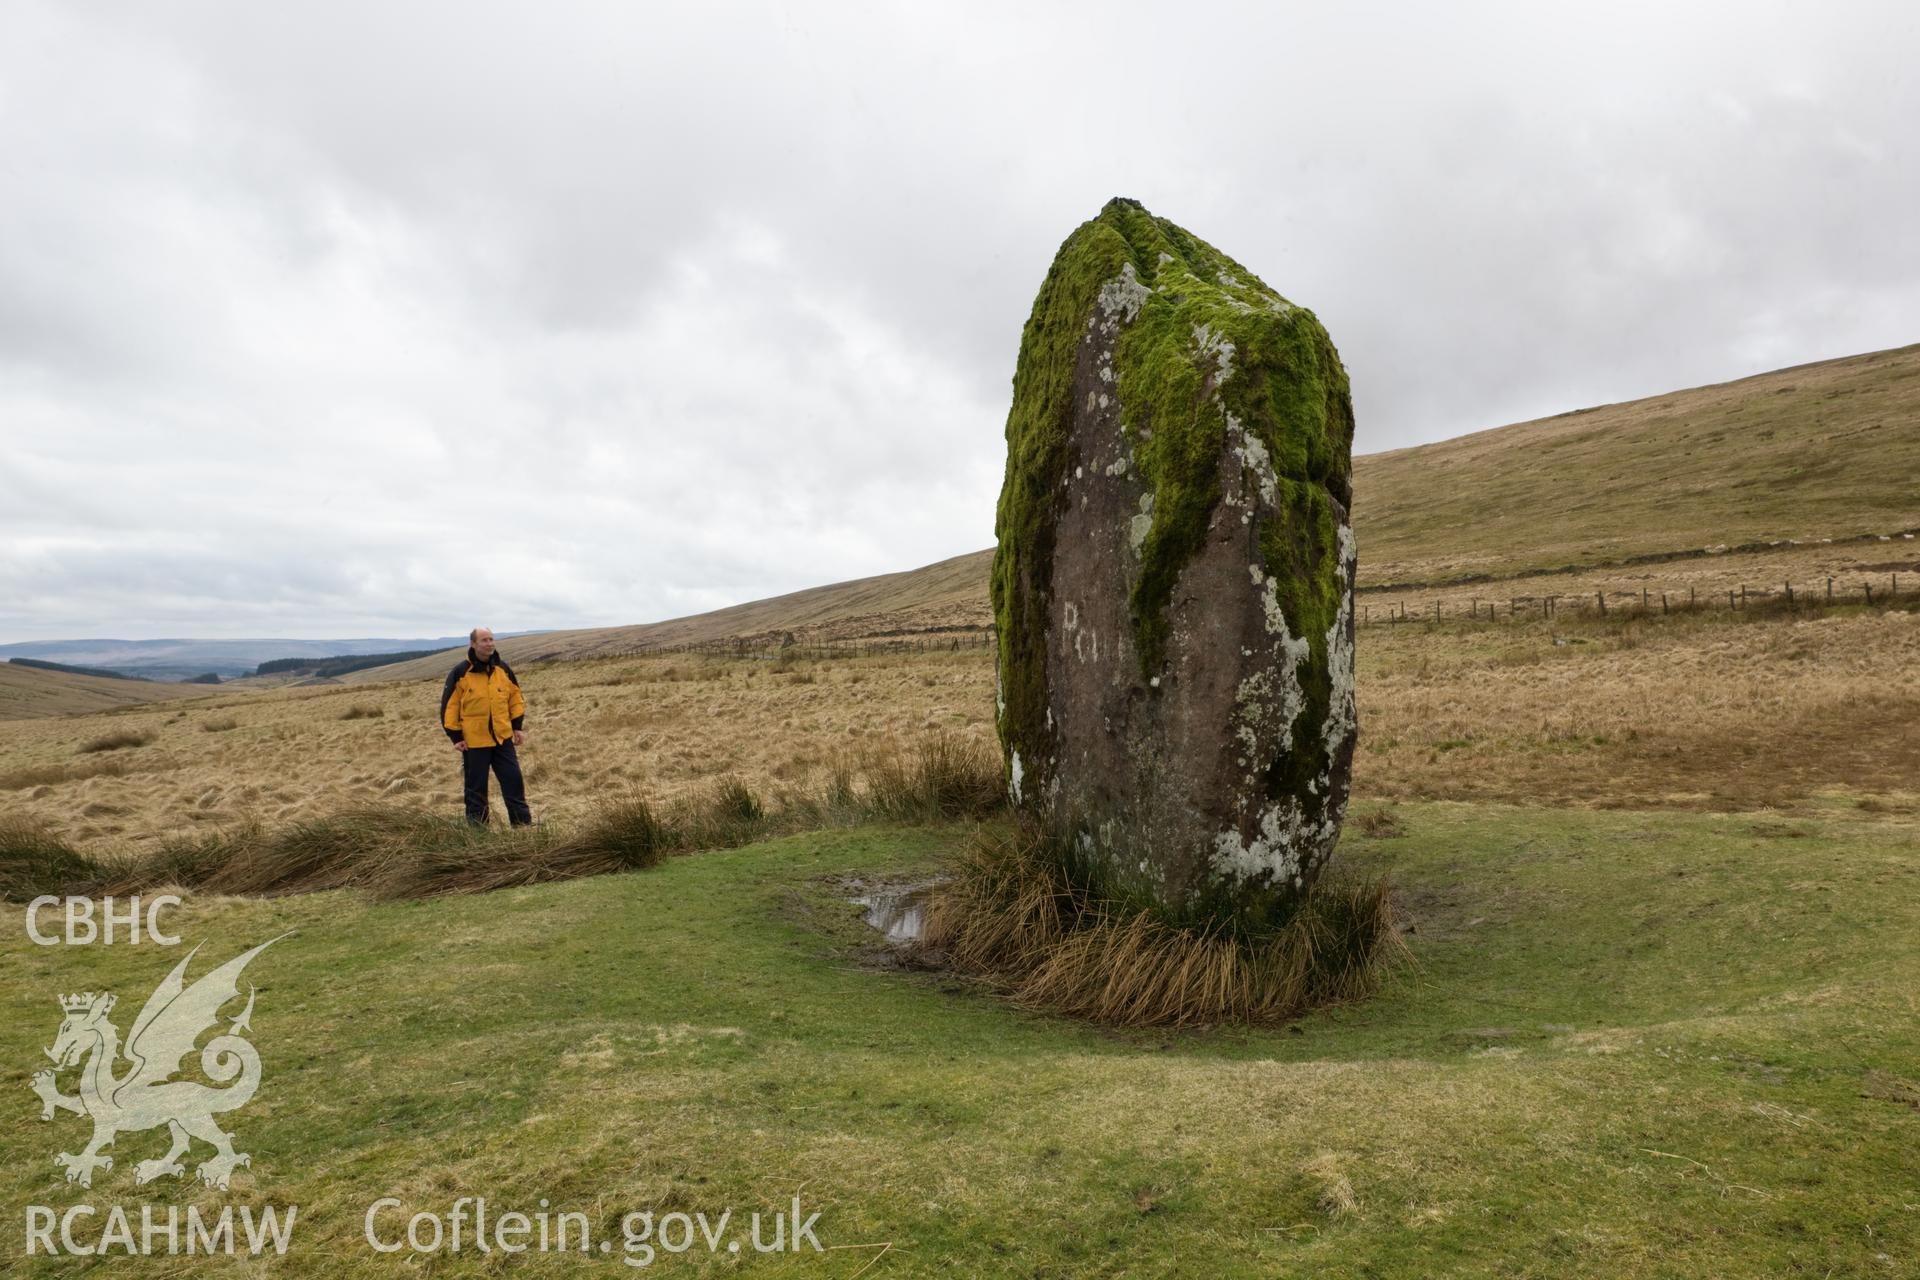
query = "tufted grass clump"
{"x": 52, "y": 774}
{"x": 1020, "y": 910}
{"x": 118, "y": 740}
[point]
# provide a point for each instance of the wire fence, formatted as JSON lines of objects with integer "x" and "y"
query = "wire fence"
{"x": 786, "y": 648}
{"x": 1637, "y": 602}
{"x": 1645, "y": 601}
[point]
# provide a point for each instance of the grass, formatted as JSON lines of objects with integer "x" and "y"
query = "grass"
{"x": 1711, "y": 711}
{"x": 1636, "y": 1045}
{"x": 665, "y": 726}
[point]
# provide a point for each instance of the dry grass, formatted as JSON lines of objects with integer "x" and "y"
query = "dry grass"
{"x": 1711, "y": 713}
{"x": 1019, "y": 910}
{"x": 1707, "y": 712}
{"x": 666, "y": 725}
{"x": 363, "y": 713}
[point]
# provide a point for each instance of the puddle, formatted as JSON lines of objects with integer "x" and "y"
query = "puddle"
{"x": 895, "y": 910}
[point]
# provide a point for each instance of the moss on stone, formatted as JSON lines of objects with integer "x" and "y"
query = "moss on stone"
{"x": 1211, "y": 353}
{"x": 1211, "y": 343}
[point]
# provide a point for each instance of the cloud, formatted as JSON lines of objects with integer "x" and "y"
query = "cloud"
{"x": 350, "y": 319}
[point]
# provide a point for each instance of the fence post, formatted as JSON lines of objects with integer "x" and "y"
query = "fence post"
{"x": 1789, "y": 587}
{"x": 1663, "y": 604}
{"x": 1868, "y": 586}
{"x": 1743, "y": 595}
{"x": 1601, "y": 596}
{"x": 1691, "y": 602}
{"x": 1829, "y": 590}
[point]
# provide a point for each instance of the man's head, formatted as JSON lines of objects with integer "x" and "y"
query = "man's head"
{"x": 482, "y": 640}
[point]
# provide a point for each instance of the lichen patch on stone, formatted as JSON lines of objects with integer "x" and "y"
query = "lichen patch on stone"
{"x": 1122, "y": 296}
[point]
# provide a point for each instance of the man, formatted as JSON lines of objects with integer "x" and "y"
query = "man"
{"x": 483, "y": 714}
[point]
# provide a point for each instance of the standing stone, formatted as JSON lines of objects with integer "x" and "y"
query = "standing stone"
{"x": 1173, "y": 587}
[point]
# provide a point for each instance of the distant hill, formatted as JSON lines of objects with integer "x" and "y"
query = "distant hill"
{"x": 183, "y": 659}
{"x": 1818, "y": 451}
{"x": 1828, "y": 450}
{"x": 102, "y": 672}
{"x": 30, "y": 693}
{"x": 945, "y": 596}
{"x": 330, "y": 667}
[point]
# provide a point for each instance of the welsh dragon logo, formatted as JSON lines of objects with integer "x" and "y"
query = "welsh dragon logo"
{"x": 145, "y": 1096}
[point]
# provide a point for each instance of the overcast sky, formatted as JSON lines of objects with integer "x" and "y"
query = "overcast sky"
{"x": 370, "y": 319}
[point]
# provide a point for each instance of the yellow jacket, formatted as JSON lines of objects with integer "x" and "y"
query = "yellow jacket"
{"x": 481, "y": 703}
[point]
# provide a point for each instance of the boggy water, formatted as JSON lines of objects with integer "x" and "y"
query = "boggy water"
{"x": 896, "y": 910}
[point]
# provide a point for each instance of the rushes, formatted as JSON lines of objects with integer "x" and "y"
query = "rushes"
{"x": 943, "y": 776}
{"x": 1018, "y": 910}
{"x": 392, "y": 852}
{"x": 34, "y": 861}
{"x": 387, "y": 853}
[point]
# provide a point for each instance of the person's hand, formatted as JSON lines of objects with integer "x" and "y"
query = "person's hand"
{"x": 459, "y": 746}
{"x": 519, "y": 736}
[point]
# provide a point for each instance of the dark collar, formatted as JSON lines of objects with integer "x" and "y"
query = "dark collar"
{"x": 474, "y": 663}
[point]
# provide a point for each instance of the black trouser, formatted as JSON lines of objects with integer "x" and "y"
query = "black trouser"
{"x": 503, "y": 761}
